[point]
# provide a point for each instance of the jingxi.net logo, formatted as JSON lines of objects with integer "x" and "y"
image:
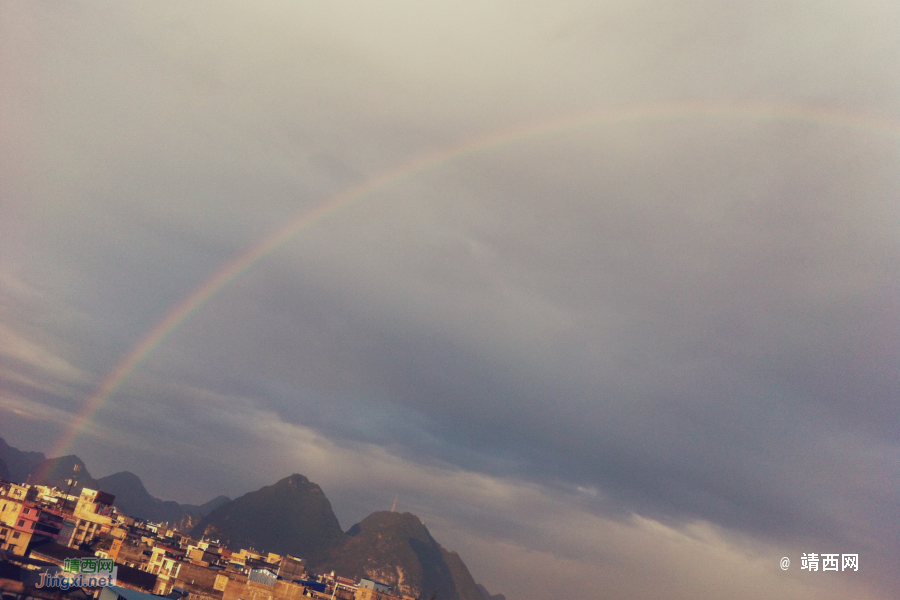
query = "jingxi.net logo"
{"x": 81, "y": 572}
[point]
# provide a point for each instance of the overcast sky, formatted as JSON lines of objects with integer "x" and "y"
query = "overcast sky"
{"x": 640, "y": 338}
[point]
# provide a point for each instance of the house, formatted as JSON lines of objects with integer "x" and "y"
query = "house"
{"x": 291, "y": 567}
{"x": 94, "y": 516}
{"x": 373, "y": 590}
{"x": 21, "y": 519}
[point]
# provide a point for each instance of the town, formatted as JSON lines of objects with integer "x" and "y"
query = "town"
{"x": 45, "y": 529}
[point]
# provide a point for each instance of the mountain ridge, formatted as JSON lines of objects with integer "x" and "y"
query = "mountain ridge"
{"x": 487, "y": 595}
{"x": 132, "y": 498}
{"x": 306, "y": 525}
{"x": 394, "y": 548}
{"x": 20, "y": 463}
{"x": 397, "y": 549}
{"x": 291, "y": 516}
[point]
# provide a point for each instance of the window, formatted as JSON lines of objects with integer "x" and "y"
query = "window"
{"x": 16, "y": 535}
{"x": 21, "y": 522}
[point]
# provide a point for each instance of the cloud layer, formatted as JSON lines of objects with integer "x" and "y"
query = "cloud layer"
{"x": 666, "y": 341}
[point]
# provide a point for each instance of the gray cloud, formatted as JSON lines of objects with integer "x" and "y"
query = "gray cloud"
{"x": 657, "y": 326}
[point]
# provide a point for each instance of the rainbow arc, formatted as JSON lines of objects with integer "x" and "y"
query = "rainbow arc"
{"x": 220, "y": 280}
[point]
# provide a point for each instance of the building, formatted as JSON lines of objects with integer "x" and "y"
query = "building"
{"x": 202, "y": 554}
{"x": 373, "y": 590}
{"x": 94, "y": 516}
{"x": 54, "y": 553}
{"x": 22, "y": 518}
{"x": 243, "y": 588}
{"x": 375, "y": 586}
{"x": 17, "y": 492}
{"x": 341, "y": 587}
{"x": 291, "y": 567}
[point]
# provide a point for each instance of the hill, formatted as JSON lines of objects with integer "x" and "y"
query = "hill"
{"x": 133, "y": 499}
{"x": 55, "y": 472}
{"x": 466, "y": 587}
{"x": 19, "y": 464}
{"x": 488, "y": 596}
{"x": 397, "y": 549}
{"x": 36, "y": 468}
{"x": 293, "y": 516}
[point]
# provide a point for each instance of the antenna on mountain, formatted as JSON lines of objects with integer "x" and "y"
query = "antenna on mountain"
{"x": 394, "y": 507}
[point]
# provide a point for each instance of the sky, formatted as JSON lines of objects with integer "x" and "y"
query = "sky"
{"x": 605, "y": 292}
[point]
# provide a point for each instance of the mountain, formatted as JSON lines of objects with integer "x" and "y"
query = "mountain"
{"x": 397, "y": 549}
{"x": 19, "y": 463}
{"x": 209, "y": 506}
{"x": 293, "y": 516}
{"x": 54, "y": 472}
{"x": 466, "y": 587}
{"x": 36, "y": 468}
{"x": 488, "y": 596}
{"x": 133, "y": 499}
{"x": 194, "y": 514}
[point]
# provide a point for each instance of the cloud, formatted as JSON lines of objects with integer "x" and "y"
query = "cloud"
{"x": 501, "y": 525}
{"x": 667, "y": 334}
{"x": 29, "y": 354}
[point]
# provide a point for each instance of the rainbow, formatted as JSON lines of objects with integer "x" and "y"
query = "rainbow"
{"x": 419, "y": 164}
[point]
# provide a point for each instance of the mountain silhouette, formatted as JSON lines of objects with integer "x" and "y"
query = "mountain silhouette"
{"x": 55, "y": 472}
{"x": 292, "y": 516}
{"x": 133, "y": 499}
{"x": 20, "y": 464}
{"x": 397, "y": 549}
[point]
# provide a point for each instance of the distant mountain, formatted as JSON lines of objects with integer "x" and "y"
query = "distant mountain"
{"x": 207, "y": 507}
{"x": 462, "y": 579}
{"x": 36, "y": 468}
{"x": 488, "y": 596}
{"x": 55, "y": 472}
{"x": 397, "y": 549}
{"x": 194, "y": 514}
{"x": 292, "y": 516}
{"x": 133, "y": 499}
{"x": 19, "y": 463}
